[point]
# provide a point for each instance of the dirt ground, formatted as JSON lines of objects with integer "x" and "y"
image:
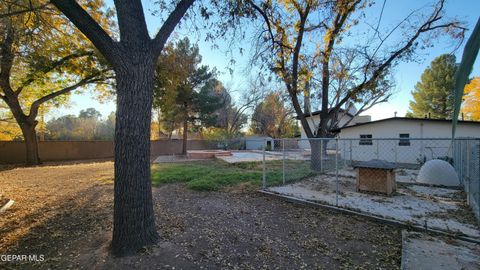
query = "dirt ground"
{"x": 65, "y": 212}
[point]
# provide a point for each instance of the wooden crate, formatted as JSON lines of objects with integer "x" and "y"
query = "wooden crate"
{"x": 376, "y": 180}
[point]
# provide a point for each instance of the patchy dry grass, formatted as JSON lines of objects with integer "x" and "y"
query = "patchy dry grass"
{"x": 216, "y": 174}
{"x": 54, "y": 206}
{"x": 65, "y": 213}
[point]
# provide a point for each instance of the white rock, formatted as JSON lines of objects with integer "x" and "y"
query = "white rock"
{"x": 438, "y": 172}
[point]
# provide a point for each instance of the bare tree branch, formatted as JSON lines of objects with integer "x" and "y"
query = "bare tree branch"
{"x": 266, "y": 20}
{"x": 169, "y": 25}
{"x": 51, "y": 67}
{"x": 22, "y": 11}
{"x": 36, "y": 104}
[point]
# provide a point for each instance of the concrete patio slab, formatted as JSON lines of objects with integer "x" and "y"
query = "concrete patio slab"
{"x": 257, "y": 156}
{"x": 431, "y": 207}
{"x": 421, "y": 251}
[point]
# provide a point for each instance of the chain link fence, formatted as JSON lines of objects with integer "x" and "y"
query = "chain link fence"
{"x": 332, "y": 164}
{"x": 466, "y": 160}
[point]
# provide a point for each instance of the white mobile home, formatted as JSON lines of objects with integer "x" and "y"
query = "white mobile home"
{"x": 403, "y": 140}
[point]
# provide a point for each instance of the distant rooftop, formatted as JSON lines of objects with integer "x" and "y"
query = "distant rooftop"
{"x": 410, "y": 119}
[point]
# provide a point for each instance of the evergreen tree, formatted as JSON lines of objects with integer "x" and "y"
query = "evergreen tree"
{"x": 184, "y": 89}
{"x": 433, "y": 94}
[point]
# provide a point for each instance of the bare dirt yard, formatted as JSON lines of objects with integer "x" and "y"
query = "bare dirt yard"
{"x": 64, "y": 212}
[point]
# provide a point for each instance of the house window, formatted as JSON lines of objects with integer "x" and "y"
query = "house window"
{"x": 404, "y": 139}
{"x": 365, "y": 139}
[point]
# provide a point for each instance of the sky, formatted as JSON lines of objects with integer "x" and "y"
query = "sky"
{"x": 406, "y": 75}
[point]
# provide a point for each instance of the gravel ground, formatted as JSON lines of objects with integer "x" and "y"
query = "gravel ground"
{"x": 440, "y": 208}
{"x": 64, "y": 214}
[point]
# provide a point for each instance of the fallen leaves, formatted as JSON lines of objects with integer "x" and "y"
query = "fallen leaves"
{"x": 65, "y": 213}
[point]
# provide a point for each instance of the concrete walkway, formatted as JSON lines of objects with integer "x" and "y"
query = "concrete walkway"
{"x": 422, "y": 251}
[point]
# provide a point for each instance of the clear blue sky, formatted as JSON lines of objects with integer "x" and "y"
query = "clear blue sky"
{"x": 406, "y": 74}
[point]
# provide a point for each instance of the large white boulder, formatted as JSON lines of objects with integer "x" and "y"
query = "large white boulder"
{"x": 438, "y": 172}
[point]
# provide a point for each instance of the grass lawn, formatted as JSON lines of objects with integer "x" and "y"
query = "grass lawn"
{"x": 214, "y": 174}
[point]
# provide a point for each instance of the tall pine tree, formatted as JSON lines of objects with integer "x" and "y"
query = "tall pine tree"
{"x": 184, "y": 89}
{"x": 433, "y": 94}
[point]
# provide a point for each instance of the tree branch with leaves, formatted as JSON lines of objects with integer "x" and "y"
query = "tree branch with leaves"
{"x": 41, "y": 66}
{"x": 307, "y": 68}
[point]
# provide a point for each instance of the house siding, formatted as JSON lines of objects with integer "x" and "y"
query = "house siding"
{"x": 314, "y": 121}
{"x": 390, "y": 150}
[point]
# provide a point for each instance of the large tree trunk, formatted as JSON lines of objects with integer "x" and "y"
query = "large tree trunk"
{"x": 31, "y": 143}
{"x": 318, "y": 148}
{"x": 134, "y": 221}
{"x": 316, "y": 155}
{"x": 319, "y": 157}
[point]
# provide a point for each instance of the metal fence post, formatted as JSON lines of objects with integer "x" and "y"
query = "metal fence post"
{"x": 461, "y": 163}
{"x": 468, "y": 171}
{"x": 422, "y": 151}
{"x": 477, "y": 178}
{"x": 455, "y": 156}
{"x": 336, "y": 173}
{"x": 351, "y": 153}
{"x": 396, "y": 151}
{"x": 321, "y": 155}
{"x": 283, "y": 165}
{"x": 264, "y": 176}
{"x": 378, "y": 150}
{"x": 344, "y": 154}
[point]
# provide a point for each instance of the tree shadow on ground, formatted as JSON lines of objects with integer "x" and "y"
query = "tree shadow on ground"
{"x": 59, "y": 227}
{"x": 213, "y": 230}
{"x": 7, "y": 167}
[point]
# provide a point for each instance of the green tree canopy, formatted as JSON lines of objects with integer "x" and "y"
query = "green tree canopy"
{"x": 433, "y": 94}
{"x": 90, "y": 113}
{"x": 185, "y": 89}
{"x": 229, "y": 118}
{"x": 272, "y": 118}
{"x": 43, "y": 58}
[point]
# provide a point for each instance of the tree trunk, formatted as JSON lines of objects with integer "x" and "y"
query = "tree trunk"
{"x": 306, "y": 98}
{"x": 318, "y": 148}
{"x": 319, "y": 157}
{"x": 31, "y": 143}
{"x": 134, "y": 221}
{"x": 185, "y": 131}
{"x": 316, "y": 155}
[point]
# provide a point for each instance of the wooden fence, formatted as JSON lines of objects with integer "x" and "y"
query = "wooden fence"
{"x": 13, "y": 152}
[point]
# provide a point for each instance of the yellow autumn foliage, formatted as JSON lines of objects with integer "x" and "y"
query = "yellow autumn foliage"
{"x": 471, "y": 100}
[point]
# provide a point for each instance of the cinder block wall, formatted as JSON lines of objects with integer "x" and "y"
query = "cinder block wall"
{"x": 13, "y": 152}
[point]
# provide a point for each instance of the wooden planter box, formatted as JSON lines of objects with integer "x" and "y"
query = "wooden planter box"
{"x": 376, "y": 176}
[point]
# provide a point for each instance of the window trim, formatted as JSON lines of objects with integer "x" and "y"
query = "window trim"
{"x": 365, "y": 139}
{"x": 405, "y": 140}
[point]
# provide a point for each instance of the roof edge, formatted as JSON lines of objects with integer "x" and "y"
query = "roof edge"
{"x": 409, "y": 119}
